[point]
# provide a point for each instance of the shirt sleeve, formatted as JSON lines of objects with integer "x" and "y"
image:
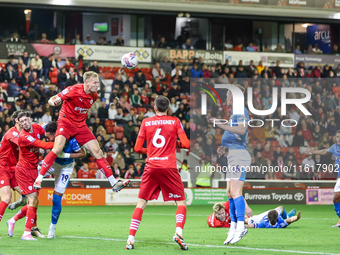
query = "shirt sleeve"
{"x": 260, "y": 225}
{"x": 66, "y": 93}
{"x": 74, "y": 145}
{"x": 141, "y": 133}
{"x": 179, "y": 127}
{"x": 332, "y": 149}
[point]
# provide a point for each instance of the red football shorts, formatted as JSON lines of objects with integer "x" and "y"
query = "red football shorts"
{"x": 166, "y": 180}
{"x": 7, "y": 177}
{"x": 81, "y": 134}
{"x": 26, "y": 178}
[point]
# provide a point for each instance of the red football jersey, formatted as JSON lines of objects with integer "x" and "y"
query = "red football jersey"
{"x": 161, "y": 134}
{"x": 76, "y": 104}
{"x": 82, "y": 174}
{"x": 28, "y": 152}
{"x": 213, "y": 222}
{"x": 9, "y": 149}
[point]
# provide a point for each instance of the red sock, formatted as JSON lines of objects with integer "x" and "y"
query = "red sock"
{"x": 48, "y": 162}
{"x": 104, "y": 166}
{"x": 135, "y": 221}
{"x": 21, "y": 214}
{"x": 181, "y": 215}
{"x": 3, "y": 206}
{"x": 31, "y": 213}
{"x": 35, "y": 221}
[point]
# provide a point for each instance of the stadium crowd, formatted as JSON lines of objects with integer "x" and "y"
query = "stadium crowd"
{"x": 115, "y": 118}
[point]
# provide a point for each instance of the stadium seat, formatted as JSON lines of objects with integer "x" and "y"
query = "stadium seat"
{"x": 312, "y": 144}
{"x": 148, "y": 76}
{"x": 54, "y": 80}
{"x": 4, "y": 85}
{"x": 3, "y": 65}
{"x": 142, "y": 109}
{"x": 115, "y": 69}
{"x": 93, "y": 165}
{"x": 100, "y": 69}
{"x": 118, "y": 129}
{"x": 106, "y": 69}
{"x": 93, "y": 173}
{"x": 284, "y": 150}
{"x": 91, "y": 159}
{"x": 109, "y": 129}
{"x": 109, "y": 123}
{"x": 119, "y": 135}
{"x": 296, "y": 149}
{"x": 145, "y": 70}
{"x": 274, "y": 144}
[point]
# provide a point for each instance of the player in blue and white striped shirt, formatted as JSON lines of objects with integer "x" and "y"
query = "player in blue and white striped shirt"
{"x": 62, "y": 168}
{"x": 335, "y": 150}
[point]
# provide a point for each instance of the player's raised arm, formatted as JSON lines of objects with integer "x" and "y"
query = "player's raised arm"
{"x": 55, "y": 101}
{"x": 293, "y": 218}
{"x": 139, "y": 146}
{"x": 79, "y": 154}
{"x": 318, "y": 152}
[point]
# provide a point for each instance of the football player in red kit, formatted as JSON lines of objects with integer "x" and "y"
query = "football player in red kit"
{"x": 160, "y": 172}
{"x": 220, "y": 217}
{"x": 26, "y": 170}
{"x": 9, "y": 155}
{"x": 77, "y": 100}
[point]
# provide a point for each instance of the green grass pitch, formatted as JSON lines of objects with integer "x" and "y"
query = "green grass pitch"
{"x": 104, "y": 230}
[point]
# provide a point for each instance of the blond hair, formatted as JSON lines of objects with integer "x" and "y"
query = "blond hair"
{"x": 88, "y": 75}
{"x": 218, "y": 207}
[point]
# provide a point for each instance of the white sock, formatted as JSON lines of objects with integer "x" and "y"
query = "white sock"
{"x": 240, "y": 225}
{"x": 112, "y": 180}
{"x": 232, "y": 225}
{"x": 12, "y": 220}
{"x": 131, "y": 239}
{"x": 27, "y": 233}
{"x": 52, "y": 226}
{"x": 179, "y": 231}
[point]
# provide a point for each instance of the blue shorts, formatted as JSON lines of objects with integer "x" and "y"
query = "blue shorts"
{"x": 238, "y": 164}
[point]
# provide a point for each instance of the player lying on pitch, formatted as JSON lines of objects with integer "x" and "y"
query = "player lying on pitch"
{"x": 220, "y": 218}
{"x": 276, "y": 218}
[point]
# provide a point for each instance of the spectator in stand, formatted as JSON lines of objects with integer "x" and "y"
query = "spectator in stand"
{"x": 239, "y": 46}
{"x": 251, "y": 69}
{"x": 307, "y": 168}
{"x": 186, "y": 71}
{"x": 71, "y": 81}
{"x": 94, "y": 67}
{"x": 12, "y": 63}
{"x": 76, "y": 40}
{"x": 122, "y": 72}
{"x": 68, "y": 64}
{"x": 307, "y": 134}
{"x": 130, "y": 173}
{"x": 298, "y": 139}
{"x": 174, "y": 91}
{"x": 139, "y": 79}
{"x": 37, "y": 64}
{"x": 157, "y": 71}
{"x": 162, "y": 43}
{"x": 13, "y": 90}
{"x": 128, "y": 129}
{"x": 44, "y": 38}
{"x": 251, "y": 47}
{"x": 10, "y": 74}
{"x": 267, "y": 72}
{"x": 24, "y": 80}
{"x": 48, "y": 65}
{"x": 35, "y": 79}
{"x": 116, "y": 170}
{"x": 310, "y": 50}
{"x": 195, "y": 72}
{"x": 60, "y": 63}
{"x": 185, "y": 85}
{"x": 187, "y": 45}
{"x": 335, "y": 50}
{"x": 279, "y": 49}
{"x": 112, "y": 111}
{"x": 103, "y": 112}
{"x": 135, "y": 99}
{"x": 42, "y": 93}
{"x": 88, "y": 41}
{"x": 62, "y": 78}
{"x": 124, "y": 146}
{"x": 240, "y": 73}
{"x": 332, "y": 128}
{"x": 120, "y": 161}
{"x": 26, "y": 59}
{"x": 84, "y": 172}
{"x": 316, "y": 72}
{"x": 166, "y": 65}
{"x": 129, "y": 82}
{"x": 260, "y": 67}
{"x": 120, "y": 41}
{"x": 60, "y": 39}
{"x": 176, "y": 72}
{"x": 111, "y": 144}
{"x": 297, "y": 50}
{"x": 102, "y": 41}
{"x": 317, "y": 49}
{"x": 206, "y": 72}
{"x": 330, "y": 103}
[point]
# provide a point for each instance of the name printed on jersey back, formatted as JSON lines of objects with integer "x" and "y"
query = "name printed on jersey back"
{"x": 159, "y": 122}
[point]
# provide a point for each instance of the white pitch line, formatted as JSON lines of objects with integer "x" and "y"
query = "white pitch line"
{"x": 207, "y": 246}
{"x": 169, "y": 214}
